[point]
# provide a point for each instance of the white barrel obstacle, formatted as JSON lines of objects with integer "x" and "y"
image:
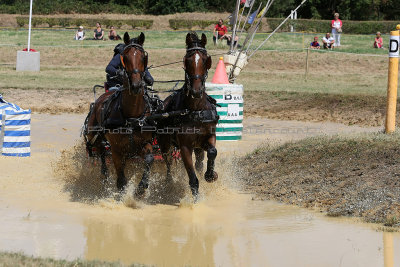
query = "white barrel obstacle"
{"x": 15, "y": 130}
{"x": 230, "y": 99}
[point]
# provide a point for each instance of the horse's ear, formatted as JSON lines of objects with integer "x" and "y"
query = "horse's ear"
{"x": 127, "y": 39}
{"x": 208, "y": 62}
{"x": 189, "y": 40}
{"x": 141, "y": 39}
{"x": 203, "y": 41}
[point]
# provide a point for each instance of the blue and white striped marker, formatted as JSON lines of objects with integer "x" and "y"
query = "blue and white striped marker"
{"x": 15, "y": 130}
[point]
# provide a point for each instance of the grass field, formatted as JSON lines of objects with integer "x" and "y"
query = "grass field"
{"x": 70, "y": 68}
{"x": 63, "y": 58}
{"x": 21, "y": 260}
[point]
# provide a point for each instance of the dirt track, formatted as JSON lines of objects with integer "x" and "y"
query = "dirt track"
{"x": 345, "y": 109}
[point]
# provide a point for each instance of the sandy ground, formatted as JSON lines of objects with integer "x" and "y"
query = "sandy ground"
{"x": 347, "y": 109}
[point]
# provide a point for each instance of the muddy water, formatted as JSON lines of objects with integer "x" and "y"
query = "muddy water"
{"x": 226, "y": 228}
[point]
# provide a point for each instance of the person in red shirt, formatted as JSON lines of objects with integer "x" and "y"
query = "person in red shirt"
{"x": 378, "y": 43}
{"x": 221, "y": 32}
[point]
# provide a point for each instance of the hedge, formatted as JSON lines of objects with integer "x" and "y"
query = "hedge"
{"x": 70, "y": 22}
{"x": 349, "y": 26}
{"x": 307, "y": 25}
{"x": 177, "y": 24}
{"x": 189, "y": 24}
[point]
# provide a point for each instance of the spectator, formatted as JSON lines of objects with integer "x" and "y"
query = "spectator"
{"x": 220, "y": 32}
{"x": 328, "y": 41}
{"x": 336, "y": 29}
{"x": 315, "y": 44}
{"x": 98, "y": 32}
{"x": 80, "y": 34}
{"x": 112, "y": 35}
{"x": 378, "y": 41}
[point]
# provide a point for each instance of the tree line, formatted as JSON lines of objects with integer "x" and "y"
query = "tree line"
{"x": 312, "y": 9}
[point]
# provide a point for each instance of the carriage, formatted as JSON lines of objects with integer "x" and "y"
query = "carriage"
{"x": 133, "y": 122}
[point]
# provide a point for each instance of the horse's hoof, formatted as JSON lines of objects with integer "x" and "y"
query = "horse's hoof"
{"x": 211, "y": 177}
{"x": 104, "y": 172}
{"x": 141, "y": 189}
{"x": 121, "y": 185}
{"x": 195, "y": 194}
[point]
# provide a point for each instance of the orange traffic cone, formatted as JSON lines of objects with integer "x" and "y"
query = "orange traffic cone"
{"x": 220, "y": 75}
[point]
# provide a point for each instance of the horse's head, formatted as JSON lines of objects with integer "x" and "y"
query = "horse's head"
{"x": 134, "y": 60}
{"x": 196, "y": 64}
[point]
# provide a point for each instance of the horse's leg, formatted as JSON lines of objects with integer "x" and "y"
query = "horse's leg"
{"x": 186, "y": 153}
{"x": 119, "y": 164}
{"x": 199, "y": 153}
{"x": 148, "y": 162}
{"x": 211, "y": 175}
{"x": 98, "y": 144}
{"x": 165, "y": 147}
{"x": 104, "y": 169}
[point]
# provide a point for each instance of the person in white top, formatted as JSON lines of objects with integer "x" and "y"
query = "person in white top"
{"x": 328, "y": 41}
{"x": 336, "y": 26}
{"x": 80, "y": 34}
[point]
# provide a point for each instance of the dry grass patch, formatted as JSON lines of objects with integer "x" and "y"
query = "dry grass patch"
{"x": 344, "y": 176}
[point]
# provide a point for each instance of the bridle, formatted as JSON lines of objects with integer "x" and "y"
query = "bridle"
{"x": 188, "y": 77}
{"x": 128, "y": 74}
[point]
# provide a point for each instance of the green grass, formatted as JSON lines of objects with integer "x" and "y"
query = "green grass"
{"x": 69, "y": 64}
{"x": 19, "y": 259}
{"x": 173, "y": 39}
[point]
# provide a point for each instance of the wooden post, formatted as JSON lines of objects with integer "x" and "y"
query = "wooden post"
{"x": 393, "y": 75}
{"x": 388, "y": 249}
{"x": 308, "y": 52}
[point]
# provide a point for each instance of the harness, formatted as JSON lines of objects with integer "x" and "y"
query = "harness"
{"x": 189, "y": 77}
{"x": 128, "y": 74}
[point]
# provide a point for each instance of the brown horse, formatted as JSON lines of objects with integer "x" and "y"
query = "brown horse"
{"x": 198, "y": 117}
{"x": 127, "y": 140}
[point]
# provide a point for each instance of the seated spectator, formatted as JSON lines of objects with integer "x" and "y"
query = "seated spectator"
{"x": 80, "y": 34}
{"x": 98, "y": 32}
{"x": 328, "y": 41}
{"x": 378, "y": 43}
{"x": 112, "y": 35}
{"x": 315, "y": 44}
{"x": 220, "y": 32}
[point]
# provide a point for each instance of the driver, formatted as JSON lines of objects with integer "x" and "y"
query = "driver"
{"x": 115, "y": 71}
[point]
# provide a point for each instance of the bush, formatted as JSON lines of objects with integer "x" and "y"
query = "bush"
{"x": 71, "y": 22}
{"x": 189, "y": 24}
{"x": 349, "y": 26}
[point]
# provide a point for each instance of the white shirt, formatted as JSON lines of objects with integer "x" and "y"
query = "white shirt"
{"x": 328, "y": 40}
{"x": 79, "y": 35}
{"x": 336, "y": 24}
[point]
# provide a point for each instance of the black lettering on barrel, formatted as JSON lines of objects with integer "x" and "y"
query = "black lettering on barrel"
{"x": 393, "y": 46}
